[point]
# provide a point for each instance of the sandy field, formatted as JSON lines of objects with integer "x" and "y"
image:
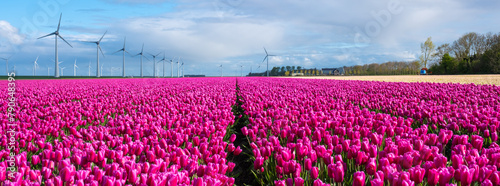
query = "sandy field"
{"x": 463, "y": 79}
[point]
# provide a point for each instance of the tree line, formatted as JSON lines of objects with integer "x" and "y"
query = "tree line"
{"x": 472, "y": 53}
{"x": 387, "y": 68}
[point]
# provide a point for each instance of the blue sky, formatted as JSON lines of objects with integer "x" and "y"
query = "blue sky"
{"x": 206, "y": 34}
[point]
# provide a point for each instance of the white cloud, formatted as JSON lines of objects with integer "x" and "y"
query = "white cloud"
{"x": 10, "y": 33}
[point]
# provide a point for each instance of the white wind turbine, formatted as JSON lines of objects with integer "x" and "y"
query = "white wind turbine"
{"x": 35, "y": 65}
{"x": 98, "y": 48}
{"x": 241, "y": 66}
{"x": 62, "y": 71}
{"x": 101, "y": 68}
{"x": 163, "y": 64}
{"x": 267, "y": 57}
{"x": 6, "y": 64}
{"x": 182, "y": 65}
{"x": 90, "y": 62}
{"x": 124, "y": 50}
{"x": 221, "y": 71}
{"x": 48, "y": 71}
{"x": 172, "y": 67}
{"x": 154, "y": 63}
{"x": 142, "y": 55}
{"x": 56, "y": 34}
{"x": 178, "y": 67}
{"x": 74, "y": 68}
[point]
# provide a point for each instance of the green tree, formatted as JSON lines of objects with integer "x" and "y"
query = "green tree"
{"x": 427, "y": 51}
{"x": 448, "y": 64}
{"x": 490, "y": 60}
{"x": 299, "y": 68}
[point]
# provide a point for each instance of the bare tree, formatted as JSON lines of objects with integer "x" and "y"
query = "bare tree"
{"x": 427, "y": 51}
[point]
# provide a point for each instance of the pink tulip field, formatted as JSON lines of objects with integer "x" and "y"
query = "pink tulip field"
{"x": 323, "y": 132}
{"x": 250, "y": 131}
{"x": 122, "y": 132}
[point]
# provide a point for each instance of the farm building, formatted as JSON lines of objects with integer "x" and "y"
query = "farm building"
{"x": 333, "y": 71}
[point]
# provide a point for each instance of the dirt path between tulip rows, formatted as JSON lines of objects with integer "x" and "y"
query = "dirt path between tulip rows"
{"x": 242, "y": 170}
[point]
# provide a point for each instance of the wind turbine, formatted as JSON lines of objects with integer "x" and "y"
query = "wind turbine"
{"x": 154, "y": 63}
{"x": 163, "y": 64}
{"x": 142, "y": 55}
{"x": 74, "y": 68}
{"x": 62, "y": 71}
{"x": 267, "y": 57}
{"x": 48, "y": 71}
{"x": 241, "y": 70}
{"x": 101, "y": 68}
{"x": 35, "y": 65}
{"x": 172, "y": 67}
{"x": 123, "y": 49}
{"x": 178, "y": 67}
{"x": 90, "y": 62}
{"x": 98, "y": 48}
{"x": 56, "y": 34}
{"x": 221, "y": 71}
{"x": 6, "y": 64}
{"x": 182, "y": 65}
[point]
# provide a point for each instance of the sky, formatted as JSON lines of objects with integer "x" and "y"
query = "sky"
{"x": 232, "y": 33}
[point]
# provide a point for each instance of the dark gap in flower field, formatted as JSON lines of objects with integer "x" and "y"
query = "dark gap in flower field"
{"x": 243, "y": 168}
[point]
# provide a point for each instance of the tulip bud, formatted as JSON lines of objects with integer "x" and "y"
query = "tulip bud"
{"x": 433, "y": 176}
{"x": 314, "y": 172}
{"x": 232, "y": 138}
{"x": 359, "y": 178}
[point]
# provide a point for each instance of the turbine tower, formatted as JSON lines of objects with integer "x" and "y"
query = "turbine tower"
{"x": 98, "y": 48}
{"x": 172, "y": 67}
{"x": 124, "y": 50}
{"x": 221, "y": 71}
{"x": 178, "y": 67}
{"x": 241, "y": 66}
{"x": 62, "y": 71}
{"x": 35, "y": 65}
{"x": 163, "y": 64}
{"x": 6, "y": 65}
{"x": 182, "y": 65}
{"x": 89, "y": 67}
{"x": 74, "y": 68}
{"x": 48, "y": 71}
{"x": 142, "y": 55}
{"x": 154, "y": 63}
{"x": 267, "y": 57}
{"x": 56, "y": 34}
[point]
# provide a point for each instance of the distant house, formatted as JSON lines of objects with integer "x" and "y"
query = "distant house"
{"x": 333, "y": 71}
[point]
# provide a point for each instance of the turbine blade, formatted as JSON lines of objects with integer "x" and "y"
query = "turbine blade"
{"x": 64, "y": 40}
{"x": 100, "y": 50}
{"x": 124, "y": 40}
{"x": 53, "y": 33}
{"x": 158, "y": 54}
{"x": 265, "y": 50}
{"x": 117, "y": 51}
{"x": 264, "y": 59}
{"x": 59, "y": 25}
{"x": 103, "y": 36}
{"x": 146, "y": 58}
{"x": 142, "y": 50}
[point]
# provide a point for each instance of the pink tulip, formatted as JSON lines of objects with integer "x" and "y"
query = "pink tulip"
{"x": 358, "y": 178}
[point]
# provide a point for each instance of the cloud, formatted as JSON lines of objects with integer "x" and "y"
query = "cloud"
{"x": 10, "y": 33}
